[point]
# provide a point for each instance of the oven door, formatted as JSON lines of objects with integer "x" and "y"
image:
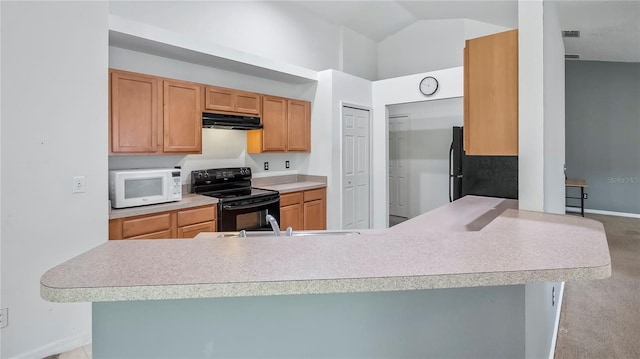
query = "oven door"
{"x": 248, "y": 214}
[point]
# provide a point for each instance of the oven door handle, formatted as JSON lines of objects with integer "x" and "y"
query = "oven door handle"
{"x": 253, "y": 205}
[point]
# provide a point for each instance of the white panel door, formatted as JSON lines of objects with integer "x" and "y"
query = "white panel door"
{"x": 398, "y": 167}
{"x": 356, "y": 168}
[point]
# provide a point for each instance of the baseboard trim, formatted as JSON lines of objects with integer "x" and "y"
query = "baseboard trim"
{"x": 57, "y": 347}
{"x": 606, "y": 213}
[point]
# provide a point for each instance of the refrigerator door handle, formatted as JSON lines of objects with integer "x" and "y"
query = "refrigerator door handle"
{"x": 450, "y": 171}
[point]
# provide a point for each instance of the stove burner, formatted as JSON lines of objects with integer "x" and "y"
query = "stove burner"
{"x": 226, "y": 184}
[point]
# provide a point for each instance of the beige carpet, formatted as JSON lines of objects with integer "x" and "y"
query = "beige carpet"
{"x": 601, "y": 319}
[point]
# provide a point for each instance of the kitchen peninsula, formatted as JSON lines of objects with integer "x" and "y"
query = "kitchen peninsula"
{"x": 448, "y": 283}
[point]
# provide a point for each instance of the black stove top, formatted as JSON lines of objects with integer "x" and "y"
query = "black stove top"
{"x": 227, "y": 184}
{"x": 241, "y": 194}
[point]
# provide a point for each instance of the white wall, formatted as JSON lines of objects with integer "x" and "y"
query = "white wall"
{"x": 359, "y": 55}
{"x": 356, "y": 92}
{"x": 425, "y": 45}
{"x": 473, "y": 29}
{"x": 220, "y": 148}
{"x": 554, "y": 114}
{"x": 428, "y": 45}
{"x": 277, "y": 30}
{"x": 270, "y": 29}
{"x": 541, "y": 150}
{"x": 530, "y": 106}
{"x": 541, "y": 108}
{"x": 1, "y": 306}
{"x": 54, "y": 126}
{"x": 429, "y": 137}
{"x": 395, "y": 91}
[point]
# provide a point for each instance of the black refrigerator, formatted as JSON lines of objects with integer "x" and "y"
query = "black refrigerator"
{"x": 492, "y": 176}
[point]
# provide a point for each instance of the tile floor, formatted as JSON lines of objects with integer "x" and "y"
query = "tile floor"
{"x": 83, "y": 352}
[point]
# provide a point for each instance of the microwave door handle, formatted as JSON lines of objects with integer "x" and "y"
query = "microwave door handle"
{"x": 253, "y": 205}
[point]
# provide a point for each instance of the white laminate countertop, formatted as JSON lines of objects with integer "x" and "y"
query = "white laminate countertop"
{"x": 516, "y": 247}
{"x": 188, "y": 201}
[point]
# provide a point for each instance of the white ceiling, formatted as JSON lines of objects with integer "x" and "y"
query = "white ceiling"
{"x": 610, "y": 30}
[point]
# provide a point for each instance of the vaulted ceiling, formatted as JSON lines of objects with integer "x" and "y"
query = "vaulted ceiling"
{"x": 610, "y": 30}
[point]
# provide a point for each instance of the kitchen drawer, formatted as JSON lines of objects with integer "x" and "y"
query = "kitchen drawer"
{"x": 196, "y": 215}
{"x": 314, "y": 194}
{"x": 288, "y": 199}
{"x": 154, "y": 235}
{"x": 144, "y": 225}
{"x": 194, "y": 229}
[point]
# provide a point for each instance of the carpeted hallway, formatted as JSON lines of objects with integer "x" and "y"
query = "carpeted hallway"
{"x": 601, "y": 319}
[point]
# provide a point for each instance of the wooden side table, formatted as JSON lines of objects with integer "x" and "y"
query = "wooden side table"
{"x": 574, "y": 183}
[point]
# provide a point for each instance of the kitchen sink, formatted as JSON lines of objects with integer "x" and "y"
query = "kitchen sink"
{"x": 294, "y": 234}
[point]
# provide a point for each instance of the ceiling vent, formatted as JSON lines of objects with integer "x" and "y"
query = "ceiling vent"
{"x": 572, "y": 57}
{"x": 571, "y": 33}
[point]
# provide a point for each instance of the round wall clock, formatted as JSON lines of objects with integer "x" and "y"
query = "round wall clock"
{"x": 429, "y": 85}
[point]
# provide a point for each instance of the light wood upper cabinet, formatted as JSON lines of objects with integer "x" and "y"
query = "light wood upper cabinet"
{"x": 153, "y": 115}
{"x": 491, "y": 95}
{"x": 182, "y": 117}
{"x": 299, "y": 126}
{"x": 248, "y": 102}
{"x": 274, "y": 120}
{"x": 135, "y": 112}
{"x": 220, "y": 99}
{"x": 286, "y": 126}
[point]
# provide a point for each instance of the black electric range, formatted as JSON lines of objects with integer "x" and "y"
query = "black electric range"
{"x": 241, "y": 206}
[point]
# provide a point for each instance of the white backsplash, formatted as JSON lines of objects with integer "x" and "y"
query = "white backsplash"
{"x": 220, "y": 149}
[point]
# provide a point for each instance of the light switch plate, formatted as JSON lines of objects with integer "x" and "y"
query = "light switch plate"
{"x": 78, "y": 184}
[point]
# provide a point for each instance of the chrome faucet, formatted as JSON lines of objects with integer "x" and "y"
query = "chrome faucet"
{"x": 274, "y": 225}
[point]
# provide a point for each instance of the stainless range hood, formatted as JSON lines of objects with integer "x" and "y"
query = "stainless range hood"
{"x": 230, "y": 122}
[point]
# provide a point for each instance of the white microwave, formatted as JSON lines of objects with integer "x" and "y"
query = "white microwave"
{"x": 129, "y": 188}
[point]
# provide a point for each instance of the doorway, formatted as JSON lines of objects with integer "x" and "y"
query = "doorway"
{"x": 398, "y": 169}
{"x": 356, "y": 169}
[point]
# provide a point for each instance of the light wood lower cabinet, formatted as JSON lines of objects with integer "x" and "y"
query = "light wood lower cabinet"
{"x": 194, "y": 229}
{"x": 291, "y": 211}
{"x": 304, "y": 210}
{"x": 132, "y": 227}
{"x": 185, "y": 223}
{"x": 315, "y": 209}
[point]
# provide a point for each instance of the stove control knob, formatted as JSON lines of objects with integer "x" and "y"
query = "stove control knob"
{"x": 242, "y": 171}
{"x": 206, "y": 175}
{"x": 198, "y": 175}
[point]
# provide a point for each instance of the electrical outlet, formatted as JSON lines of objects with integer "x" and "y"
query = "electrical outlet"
{"x": 553, "y": 296}
{"x": 78, "y": 184}
{"x": 585, "y": 196}
{"x": 266, "y": 166}
{"x": 286, "y": 164}
{"x": 4, "y": 317}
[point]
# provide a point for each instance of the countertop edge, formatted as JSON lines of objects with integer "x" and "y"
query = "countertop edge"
{"x": 320, "y": 286}
{"x": 285, "y": 188}
{"x": 188, "y": 201}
